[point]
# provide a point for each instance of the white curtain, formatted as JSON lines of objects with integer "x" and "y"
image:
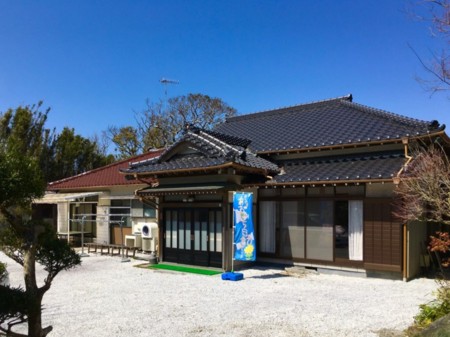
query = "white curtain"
{"x": 267, "y": 226}
{"x": 355, "y": 230}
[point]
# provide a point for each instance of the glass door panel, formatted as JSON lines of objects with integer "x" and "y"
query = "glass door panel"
{"x": 355, "y": 230}
{"x": 188, "y": 230}
{"x": 212, "y": 236}
{"x": 341, "y": 229}
{"x": 268, "y": 217}
{"x": 174, "y": 229}
{"x": 292, "y": 229}
{"x": 218, "y": 231}
{"x": 196, "y": 230}
{"x": 181, "y": 230}
{"x": 168, "y": 232}
{"x": 204, "y": 234}
{"x": 319, "y": 230}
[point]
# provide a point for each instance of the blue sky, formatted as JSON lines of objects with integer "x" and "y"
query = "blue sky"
{"x": 96, "y": 62}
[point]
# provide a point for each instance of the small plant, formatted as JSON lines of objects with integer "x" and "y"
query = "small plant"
{"x": 441, "y": 243}
{"x": 434, "y": 310}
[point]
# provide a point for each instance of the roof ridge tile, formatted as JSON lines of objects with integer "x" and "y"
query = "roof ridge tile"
{"x": 385, "y": 113}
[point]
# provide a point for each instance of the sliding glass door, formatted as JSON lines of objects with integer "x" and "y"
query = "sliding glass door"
{"x": 319, "y": 230}
{"x": 267, "y": 227}
{"x": 312, "y": 229}
{"x": 193, "y": 236}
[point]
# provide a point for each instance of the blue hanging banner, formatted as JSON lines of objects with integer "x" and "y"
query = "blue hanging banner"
{"x": 244, "y": 235}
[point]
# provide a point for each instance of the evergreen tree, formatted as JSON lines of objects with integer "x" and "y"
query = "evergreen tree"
{"x": 23, "y": 139}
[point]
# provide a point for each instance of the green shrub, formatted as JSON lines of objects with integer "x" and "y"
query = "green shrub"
{"x": 435, "y": 309}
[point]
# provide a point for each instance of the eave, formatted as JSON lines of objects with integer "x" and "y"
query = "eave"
{"x": 320, "y": 183}
{"x": 342, "y": 146}
{"x": 209, "y": 169}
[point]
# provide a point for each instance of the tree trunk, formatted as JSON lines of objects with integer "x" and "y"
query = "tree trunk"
{"x": 33, "y": 294}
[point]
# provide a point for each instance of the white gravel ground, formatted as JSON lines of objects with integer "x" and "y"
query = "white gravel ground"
{"x": 104, "y": 297}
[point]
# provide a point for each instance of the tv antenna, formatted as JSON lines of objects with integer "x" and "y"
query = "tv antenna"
{"x": 165, "y": 82}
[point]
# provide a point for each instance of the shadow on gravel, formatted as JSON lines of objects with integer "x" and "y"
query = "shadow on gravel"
{"x": 389, "y": 333}
{"x": 266, "y": 277}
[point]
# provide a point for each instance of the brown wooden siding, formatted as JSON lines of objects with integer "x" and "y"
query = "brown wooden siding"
{"x": 382, "y": 236}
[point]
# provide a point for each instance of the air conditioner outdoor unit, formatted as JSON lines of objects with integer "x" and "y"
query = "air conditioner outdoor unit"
{"x": 148, "y": 229}
{"x": 148, "y": 244}
{"x": 146, "y": 232}
{"x": 137, "y": 228}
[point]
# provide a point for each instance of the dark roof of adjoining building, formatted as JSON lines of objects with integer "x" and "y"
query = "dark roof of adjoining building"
{"x": 201, "y": 149}
{"x": 362, "y": 167}
{"x": 332, "y": 122}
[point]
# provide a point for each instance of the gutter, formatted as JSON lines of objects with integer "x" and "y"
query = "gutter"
{"x": 409, "y": 158}
{"x": 405, "y": 252}
{"x": 319, "y": 183}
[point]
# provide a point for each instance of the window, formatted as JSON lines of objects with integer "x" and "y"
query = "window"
{"x": 149, "y": 211}
{"x": 142, "y": 210}
{"x": 120, "y": 210}
{"x": 83, "y": 216}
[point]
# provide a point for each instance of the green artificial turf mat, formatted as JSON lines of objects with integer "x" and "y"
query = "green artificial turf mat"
{"x": 185, "y": 269}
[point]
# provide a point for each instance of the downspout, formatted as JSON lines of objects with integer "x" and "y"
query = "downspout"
{"x": 405, "y": 251}
{"x": 405, "y": 226}
{"x": 407, "y": 156}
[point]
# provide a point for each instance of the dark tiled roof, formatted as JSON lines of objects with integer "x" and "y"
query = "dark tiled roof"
{"x": 333, "y": 122}
{"x": 231, "y": 140}
{"x": 104, "y": 176}
{"x": 179, "y": 162}
{"x": 374, "y": 166}
{"x": 210, "y": 150}
{"x": 325, "y": 123}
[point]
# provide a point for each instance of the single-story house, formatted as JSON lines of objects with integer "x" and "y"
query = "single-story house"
{"x": 99, "y": 203}
{"x": 322, "y": 175}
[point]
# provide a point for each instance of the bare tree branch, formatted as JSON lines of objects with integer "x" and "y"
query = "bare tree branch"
{"x": 424, "y": 189}
{"x": 439, "y": 65}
